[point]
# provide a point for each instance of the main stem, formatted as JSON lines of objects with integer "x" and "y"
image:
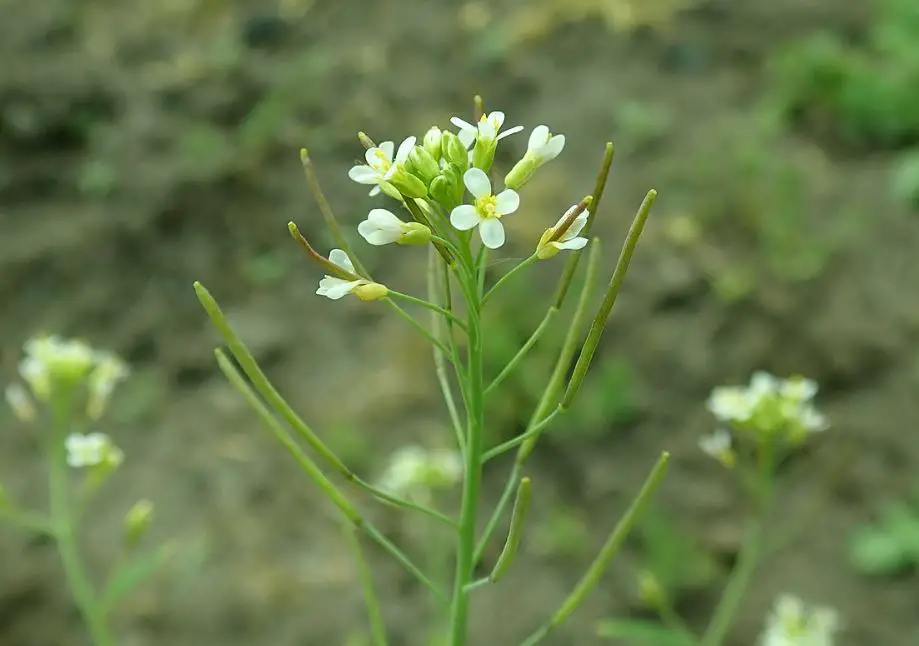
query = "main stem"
{"x": 465, "y": 554}
{"x": 65, "y": 531}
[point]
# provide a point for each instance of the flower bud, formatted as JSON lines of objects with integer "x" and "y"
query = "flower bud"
{"x": 137, "y": 521}
{"x": 520, "y": 174}
{"x": 422, "y": 164}
{"x": 545, "y": 250}
{"x": 371, "y": 291}
{"x": 432, "y": 142}
{"x": 650, "y": 589}
{"x": 483, "y": 155}
{"x": 454, "y": 151}
{"x": 444, "y": 189}
{"x": 408, "y": 184}
{"x": 415, "y": 233}
{"x": 391, "y": 191}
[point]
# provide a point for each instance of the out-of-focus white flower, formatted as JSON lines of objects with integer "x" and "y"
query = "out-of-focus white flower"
{"x": 762, "y": 384}
{"x": 719, "y": 445}
{"x": 487, "y": 211}
{"x": 51, "y": 360}
{"x": 20, "y": 402}
{"x": 488, "y": 128}
{"x": 334, "y": 287}
{"x": 109, "y": 372}
{"x": 381, "y": 164}
{"x": 415, "y": 472}
{"x": 383, "y": 227}
{"x": 799, "y": 389}
{"x": 570, "y": 240}
{"x": 91, "y": 450}
{"x": 792, "y": 623}
{"x": 731, "y": 404}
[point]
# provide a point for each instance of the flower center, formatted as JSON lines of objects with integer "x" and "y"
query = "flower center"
{"x": 486, "y": 206}
{"x": 382, "y": 162}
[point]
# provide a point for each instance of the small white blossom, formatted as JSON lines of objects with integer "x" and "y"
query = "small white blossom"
{"x": 791, "y": 623}
{"x": 731, "y": 403}
{"x": 52, "y": 359}
{"x": 383, "y": 227}
{"x": 110, "y": 371}
{"x": 91, "y": 450}
{"x": 762, "y": 384}
{"x": 487, "y": 211}
{"x": 414, "y": 471}
{"x": 799, "y": 389}
{"x": 381, "y": 164}
{"x": 718, "y": 446}
{"x": 333, "y": 287}
{"x": 812, "y": 420}
{"x": 571, "y": 239}
{"x": 488, "y": 128}
{"x": 543, "y": 146}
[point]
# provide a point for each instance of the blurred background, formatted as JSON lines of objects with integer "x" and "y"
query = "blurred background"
{"x": 145, "y": 145}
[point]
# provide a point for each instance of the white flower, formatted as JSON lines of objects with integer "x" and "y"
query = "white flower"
{"x": 415, "y": 472}
{"x": 799, "y": 389}
{"x": 91, "y": 450}
{"x": 812, "y": 420}
{"x": 718, "y": 446}
{"x": 51, "y": 359}
{"x": 383, "y": 227}
{"x": 791, "y": 623}
{"x": 110, "y": 370}
{"x": 380, "y": 163}
{"x": 731, "y": 403}
{"x": 488, "y": 128}
{"x": 571, "y": 239}
{"x": 335, "y": 288}
{"x": 543, "y": 146}
{"x": 762, "y": 384}
{"x": 487, "y": 211}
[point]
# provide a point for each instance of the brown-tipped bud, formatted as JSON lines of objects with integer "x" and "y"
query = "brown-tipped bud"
{"x": 371, "y": 291}
{"x": 366, "y": 141}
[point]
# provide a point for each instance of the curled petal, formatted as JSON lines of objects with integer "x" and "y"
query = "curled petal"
{"x": 465, "y": 217}
{"x": 497, "y": 118}
{"x": 553, "y": 147}
{"x": 492, "y": 233}
{"x": 506, "y": 202}
{"x": 572, "y": 244}
{"x": 384, "y": 219}
{"x": 538, "y": 138}
{"x": 341, "y": 259}
{"x": 387, "y": 147}
{"x": 335, "y": 288}
{"x": 404, "y": 149}
{"x": 576, "y": 227}
{"x": 364, "y": 174}
{"x": 377, "y": 236}
{"x": 477, "y": 182}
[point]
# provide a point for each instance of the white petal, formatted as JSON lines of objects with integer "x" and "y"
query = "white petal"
{"x": 497, "y": 118}
{"x": 510, "y": 131}
{"x": 570, "y": 243}
{"x": 576, "y": 226}
{"x": 477, "y": 182}
{"x": 492, "y": 233}
{"x": 506, "y": 202}
{"x": 340, "y": 258}
{"x": 462, "y": 125}
{"x": 374, "y": 191}
{"x": 538, "y": 138}
{"x": 464, "y": 217}
{"x": 404, "y": 149}
{"x": 376, "y": 236}
{"x": 387, "y": 147}
{"x": 364, "y": 175}
{"x": 386, "y": 220}
{"x": 466, "y": 137}
{"x": 553, "y": 148}
{"x": 335, "y": 288}
{"x": 487, "y": 129}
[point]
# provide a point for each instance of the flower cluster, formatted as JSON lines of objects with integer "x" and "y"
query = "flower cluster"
{"x": 431, "y": 181}
{"x": 792, "y": 623}
{"x": 92, "y": 450}
{"x": 768, "y": 408}
{"x": 416, "y": 473}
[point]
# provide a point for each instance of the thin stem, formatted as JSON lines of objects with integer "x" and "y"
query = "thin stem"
{"x": 336, "y": 497}
{"x": 534, "y": 431}
{"x": 465, "y": 556}
{"x": 609, "y": 550}
{"x": 440, "y": 291}
{"x": 514, "y": 532}
{"x": 493, "y": 520}
{"x": 65, "y": 532}
{"x": 431, "y": 306}
{"x": 273, "y": 398}
{"x": 372, "y": 602}
{"x": 510, "y": 274}
{"x": 527, "y": 346}
{"x": 750, "y": 552}
{"x": 418, "y": 326}
{"x": 31, "y": 521}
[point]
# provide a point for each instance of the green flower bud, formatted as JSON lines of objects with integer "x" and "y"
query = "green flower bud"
{"x": 408, "y": 184}
{"x": 432, "y": 142}
{"x": 422, "y": 164}
{"x": 414, "y": 233}
{"x": 454, "y": 151}
{"x": 483, "y": 155}
{"x": 371, "y": 291}
{"x": 137, "y": 521}
{"x": 444, "y": 190}
{"x": 520, "y": 174}
{"x": 391, "y": 191}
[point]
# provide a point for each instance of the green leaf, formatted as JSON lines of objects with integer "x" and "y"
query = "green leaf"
{"x": 642, "y": 632}
{"x": 889, "y": 546}
{"x": 132, "y": 573}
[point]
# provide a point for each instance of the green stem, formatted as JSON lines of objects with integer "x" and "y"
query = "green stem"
{"x": 465, "y": 557}
{"x": 513, "y": 272}
{"x": 537, "y": 333}
{"x": 65, "y": 531}
{"x": 31, "y": 521}
{"x": 495, "y": 518}
{"x": 609, "y": 550}
{"x": 374, "y": 614}
{"x": 418, "y": 326}
{"x": 533, "y": 431}
{"x": 431, "y": 306}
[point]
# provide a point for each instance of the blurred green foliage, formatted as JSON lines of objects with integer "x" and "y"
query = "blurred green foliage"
{"x": 891, "y": 545}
